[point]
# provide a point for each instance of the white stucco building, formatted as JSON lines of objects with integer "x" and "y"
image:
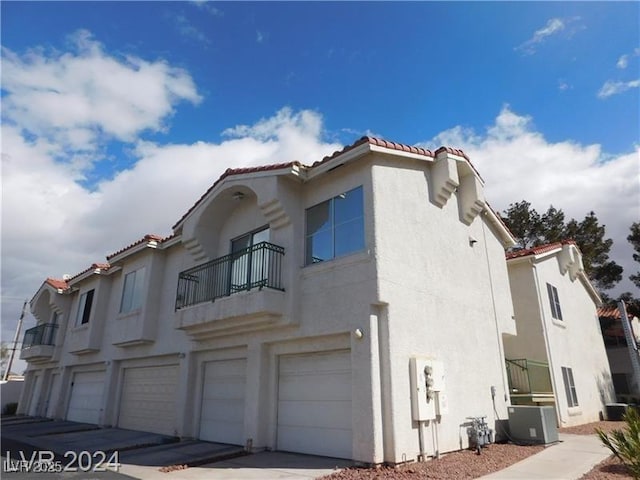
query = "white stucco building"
{"x": 285, "y": 310}
{"x": 621, "y": 357}
{"x": 558, "y": 357}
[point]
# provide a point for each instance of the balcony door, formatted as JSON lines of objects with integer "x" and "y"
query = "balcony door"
{"x": 248, "y": 263}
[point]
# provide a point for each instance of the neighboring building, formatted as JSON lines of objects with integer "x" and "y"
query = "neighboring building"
{"x": 558, "y": 357}
{"x": 285, "y": 310}
{"x": 626, "y": 385}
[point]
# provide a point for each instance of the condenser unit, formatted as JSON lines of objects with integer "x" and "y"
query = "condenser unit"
{"x": 530, "y": 424}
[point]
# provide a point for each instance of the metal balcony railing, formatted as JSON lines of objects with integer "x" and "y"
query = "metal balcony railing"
{"x": 43, "y": 334}
{"x": 257, "y": 266}
{"x": 528, "y": 377}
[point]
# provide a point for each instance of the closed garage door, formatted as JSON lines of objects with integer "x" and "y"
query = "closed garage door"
{"x": 314, "y": 404}
{"x": 222, "y": 415}
{"x": 148, "y": 400}
{"x": 86, "y": 397}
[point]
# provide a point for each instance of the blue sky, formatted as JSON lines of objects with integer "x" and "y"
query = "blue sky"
{"x": 106, "y": 104}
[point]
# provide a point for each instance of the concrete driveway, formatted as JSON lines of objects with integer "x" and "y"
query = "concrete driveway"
{"x": 143, "y": 455}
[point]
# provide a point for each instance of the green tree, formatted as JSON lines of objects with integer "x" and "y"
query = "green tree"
{"x": 524, "y": 222}
{"x": 532, "y": 229}
{"x": 589, "y": 235}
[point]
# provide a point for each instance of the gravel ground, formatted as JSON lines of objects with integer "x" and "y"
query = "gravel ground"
{"x": 467, "y": 465}
{"x": 590, "y": 428}
{"x": 453, "y": 466}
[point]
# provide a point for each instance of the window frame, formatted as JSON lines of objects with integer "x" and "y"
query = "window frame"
{"x": 570, "y": 387}
{"x": 334, "y": 225}
{"x": 137, "y": 285}
{"x": 85, "y": 307}
{"x": 554, "y": 302}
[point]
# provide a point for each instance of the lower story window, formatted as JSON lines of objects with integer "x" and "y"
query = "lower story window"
{"x": 569, "y": 387}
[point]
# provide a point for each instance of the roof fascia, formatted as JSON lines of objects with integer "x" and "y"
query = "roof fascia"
{"x": 348, "y": 156}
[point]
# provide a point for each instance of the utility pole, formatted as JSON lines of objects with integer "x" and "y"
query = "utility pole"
{"x": 15, "y": 342}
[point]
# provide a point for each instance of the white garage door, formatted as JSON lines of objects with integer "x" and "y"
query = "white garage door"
{"x": 35, "y": 395}
{"x": 86, "y": 397}
{"x": 148, "y": 400}
{"x": 222, "y": 415}
{"x": 314, "y": 404}
{"x": 54, "y": 395}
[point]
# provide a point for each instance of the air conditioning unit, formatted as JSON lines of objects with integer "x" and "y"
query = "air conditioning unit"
{"x": 529, "y": 424}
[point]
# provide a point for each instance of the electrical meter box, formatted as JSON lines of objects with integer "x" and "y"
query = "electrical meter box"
{"x": 427, "y": 384}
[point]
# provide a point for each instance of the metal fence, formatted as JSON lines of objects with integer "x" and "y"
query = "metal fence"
{"x": 528, "y": 376}
{"x": 257, "y": 266}
{"x": 44, "y": 334}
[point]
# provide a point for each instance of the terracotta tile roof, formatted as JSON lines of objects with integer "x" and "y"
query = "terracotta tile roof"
{"x": 540, "y": 249}
{"x": 94, "y": 266}
{"x": 237, "y": 171}
{"x": 380, "y": 143}
{"x": 609, "y": 311}
{"x": 370, "y": 140}
{"x": 148, "y": 237}
{"x": 57, "y": 283}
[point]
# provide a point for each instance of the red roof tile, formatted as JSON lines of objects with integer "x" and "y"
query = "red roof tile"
{"x": 609, "y": 312}
{"x": 370, "y": 140}
{"x": 94, "y": 266}
{"x": 57, "y": 283}
{"x": 148, "y": 237}
{"x": 540, "y": 249}
{"x": 237, "y": 171}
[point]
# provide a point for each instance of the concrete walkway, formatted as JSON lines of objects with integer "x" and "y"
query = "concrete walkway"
{"x": 574, "y": 456}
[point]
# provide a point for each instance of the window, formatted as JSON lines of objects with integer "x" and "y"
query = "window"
{"x": 249, "y": 266}
{"x": 132, "y": 291}
{"x": 569, "y": 387}
{"x": 84, "y": 308}
{"x": 554, "y": 301}
{"x": 335, "y": 227}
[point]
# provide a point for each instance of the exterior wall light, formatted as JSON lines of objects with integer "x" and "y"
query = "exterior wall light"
{"x": 237, "y": 196}
{"x": 358, "y": 333}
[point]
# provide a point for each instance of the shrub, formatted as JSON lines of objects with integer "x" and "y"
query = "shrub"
{"x": 10, "y": 408}
{"x": 625, "y": 444}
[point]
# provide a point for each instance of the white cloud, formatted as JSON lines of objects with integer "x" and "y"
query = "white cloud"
{"x": 77, "y": 97}
{"x": 51, "y": 225}
{"x": 612, "y": 87}
{"x": 187, "y": 29}
{"x": 553, "y": 27}
{"x": 563, "y": 85}
{"x": 623, "y": 61}
{"x": 518, "y": 163}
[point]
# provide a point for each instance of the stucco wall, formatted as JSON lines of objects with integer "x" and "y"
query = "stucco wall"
{"x": 438, "y": 288}
{"x": 574, "y": 342}
{"x": 418, "y": 287}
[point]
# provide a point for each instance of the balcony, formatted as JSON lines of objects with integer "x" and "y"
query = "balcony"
{"x": 39, "y": 343}
{"x": 238, "y": 292}
{"x": 529, "y": 382}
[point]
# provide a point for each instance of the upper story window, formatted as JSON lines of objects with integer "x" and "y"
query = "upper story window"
{"x": 133, "y": 291}
{"x": 335, "y": 227}
{"x": 84, "y": 308}
{"x": 554, "y": 301}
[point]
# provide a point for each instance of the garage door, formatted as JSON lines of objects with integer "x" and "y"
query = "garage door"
{"x": 314, "y": 404}
{"x": 86, "y": 397}
{"x": 54, "y": 395}
{"x": 35, "y": 395}
{"x": 222, "y": 415}
{"x": 148, "y": 399}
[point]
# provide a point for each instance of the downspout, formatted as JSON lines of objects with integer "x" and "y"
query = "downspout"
{"x": 546, "y": 343}
{"x": 495, "y": 316}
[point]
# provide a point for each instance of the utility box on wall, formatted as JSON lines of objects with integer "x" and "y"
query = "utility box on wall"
{"x": 530, "y": 424}
{"x": 428, "y": 399}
